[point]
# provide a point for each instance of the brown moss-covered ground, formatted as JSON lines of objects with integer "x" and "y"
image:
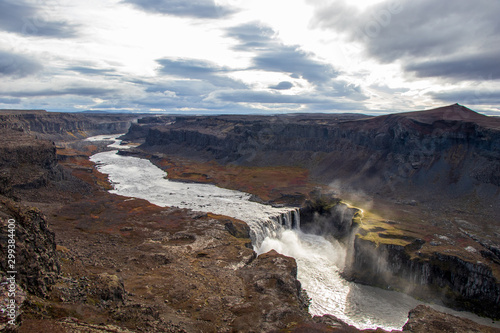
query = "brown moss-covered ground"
{"x": 130, "y": 265}
{"x": 275, "y": 184}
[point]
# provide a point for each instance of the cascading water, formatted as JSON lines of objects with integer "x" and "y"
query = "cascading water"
{"x": 319, "y": 261}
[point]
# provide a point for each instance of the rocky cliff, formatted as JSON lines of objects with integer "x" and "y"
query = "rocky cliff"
{"x": 434, "y": 172}
{"x": 25, "y": 162}
{"x": 57, "y": 126}
{"x": 175, "y": 270}
{"x": 36, "y": 261}
{"x": 452, "y": 151}
{"x": 434, "y": 276}
{"x": 327, "y": 216}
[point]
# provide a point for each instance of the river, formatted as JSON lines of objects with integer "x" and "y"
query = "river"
{"x": 319, "y": 261}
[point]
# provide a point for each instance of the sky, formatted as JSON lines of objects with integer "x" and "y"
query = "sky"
{"x": 259, "y": 56}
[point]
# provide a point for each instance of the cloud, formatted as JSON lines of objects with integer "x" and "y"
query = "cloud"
{"x": 92, "y": 71}
{"x": 204, "y": 9}
{"x": 239, "y": 100}
{"x": 10, "y": 100}
{"x": 78, "y": 91}
{"x": 316, "y": 101}
{"x": 199, "y": 70}
{"x": 183, "y": 88}
{"x": 446, "y": 39}
{"x": 292, "y": 60}
{"x": 252, "y": 36}
{"x": 477, "y": 96}
{"x": 27, "y": 19}
{"x": 283, "y": 85}
{"x": 17, "y": 65}
{"x": 342, "y": 88}
{"x": 191, "y": 68}
{"x": 475, "y": 66}
{"x": 384, "y": 88}
{"x": 250, "y": 96}
{"x": 271, "y": 55}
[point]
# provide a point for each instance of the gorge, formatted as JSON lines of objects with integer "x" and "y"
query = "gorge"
{"x": 450, "y": 245}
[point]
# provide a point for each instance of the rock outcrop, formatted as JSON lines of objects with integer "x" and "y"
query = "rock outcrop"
{"x": 64, "y": 126}
{"x": 458, "y": 283}
{"x": 326, "y": 216}
{"x": 424, "y": 319}
{"x": 270, "y": 277}
{"x": 36, "y": 261}
{"x": 26, "y": 162}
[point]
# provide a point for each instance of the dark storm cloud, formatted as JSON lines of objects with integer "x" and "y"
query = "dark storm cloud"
{"x": 431, "y": 38}
{"x": 200, "y": 70}
{"x": 27, "y": 19}
{"x": 271, "y": 55}
{"x": 206, "y": 9}
{"x": 78, "y": 91}
{"x": 283, "y": 85}
{"x": 17, "y": 66}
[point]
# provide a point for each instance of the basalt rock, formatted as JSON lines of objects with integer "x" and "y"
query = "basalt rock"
{"x": 328, "y": 216}
{"x": 451, "y": 151}
{"x": 271, "y": 277}
{"x": 64, "y": 126}
{"x": 26, "y": 163}
{"x": 36, "y": 261}
{"x": 456, "y": 282}
{"x": 424, "y": 319}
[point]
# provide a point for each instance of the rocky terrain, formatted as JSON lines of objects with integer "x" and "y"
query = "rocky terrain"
{"x": 427, "y": 183}
{"x": 91, "y": 261}
{"x": 56, "y": 126}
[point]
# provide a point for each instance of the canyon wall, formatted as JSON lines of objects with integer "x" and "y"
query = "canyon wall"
{"x": 459, "y": 283}
{"x": 57, "y": 126}
{"x": 435, "y": 151}
{"x": 25, "y": 162}
{"x": 447, "y": 158}
{"x": 438, "y": 277}
{"x": 36, "y": 262}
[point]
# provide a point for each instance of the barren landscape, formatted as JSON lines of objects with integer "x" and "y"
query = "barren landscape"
{"x": 422, "y": 187}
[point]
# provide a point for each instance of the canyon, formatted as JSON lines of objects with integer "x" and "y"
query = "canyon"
{"x": 429, "y": 179}
{"x": 419, "y": 190}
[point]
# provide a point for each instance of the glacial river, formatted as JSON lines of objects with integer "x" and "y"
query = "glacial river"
{"x": 319, "y": 261}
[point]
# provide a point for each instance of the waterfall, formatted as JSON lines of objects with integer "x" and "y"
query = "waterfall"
{"x": 274, "y": 226}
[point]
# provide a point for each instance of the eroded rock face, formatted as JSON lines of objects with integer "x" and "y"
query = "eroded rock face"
{"x": 36, "y": 261}
{"x": 328, "y": 216}
{"x": 269, "y": 278}
{"x": 450, "y": 150}
{"x": 424, "y": 319}
{"x": 458, "y": 283}
{"x": 64, "y": 126}
{"x": 26, "y": 163}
